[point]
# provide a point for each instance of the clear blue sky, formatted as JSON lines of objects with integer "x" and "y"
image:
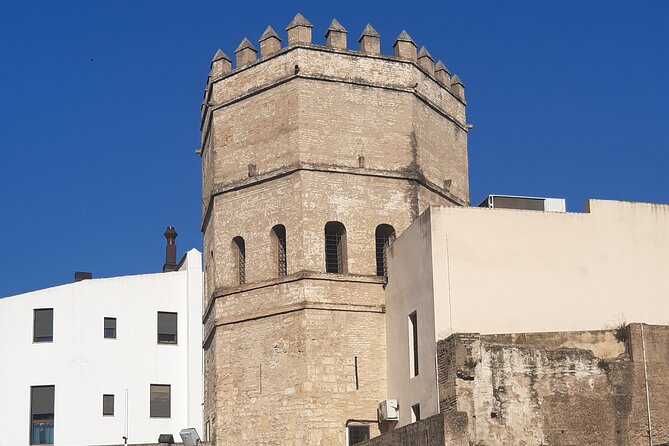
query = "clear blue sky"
{"x": 99, "y": 108}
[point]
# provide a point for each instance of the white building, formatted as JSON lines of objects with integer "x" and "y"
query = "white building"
{"x": 90, "y": 362}
{"x": 495, "y": 271}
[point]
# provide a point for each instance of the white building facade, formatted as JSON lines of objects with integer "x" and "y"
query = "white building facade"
{"x": 92, "y": 362}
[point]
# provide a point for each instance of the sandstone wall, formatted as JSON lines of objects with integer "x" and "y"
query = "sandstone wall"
{"x": 570, "y": 388}
{"x": 302, "y": 137}
{"x": 438, "y": 430}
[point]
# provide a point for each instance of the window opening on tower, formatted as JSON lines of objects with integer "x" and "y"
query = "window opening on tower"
{"x": 335, "y": 248}
{"x": 279, "y": 237}
{"x": 239, "y": 250}
{"x": 384, "y": 235}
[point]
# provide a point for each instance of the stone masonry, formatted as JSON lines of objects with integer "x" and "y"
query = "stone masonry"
{"x": 558, "y": 389}
{"x": 303, "y": 136}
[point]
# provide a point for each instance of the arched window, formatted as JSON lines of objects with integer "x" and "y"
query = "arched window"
{"x": 239, "y": 258}
{"x": 383, "y": 235}
{"x": 279, "y": 250}
{"x": 335, "y": 248}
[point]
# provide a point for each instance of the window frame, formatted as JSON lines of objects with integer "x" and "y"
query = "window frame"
{"x": 105, "y": 328}
{"x": 280, "y": 250}
{"x": 41, "y": 339}
{"x": 335, "y": 248}
{"x": 414, "y": 358}
{"x": 384, "y": 234}
{"x": 176, "y": 329}
{"x": 169, "y": 401}
{"x": 415, "y": 413}
{"x": 52, "y": 419}
{"x": 113, "y": 401}
{"x": 353, "y": 426}
{"x": 238, "y": 246}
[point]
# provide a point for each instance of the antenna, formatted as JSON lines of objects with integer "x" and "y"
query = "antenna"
{"x": 125, "y": 424}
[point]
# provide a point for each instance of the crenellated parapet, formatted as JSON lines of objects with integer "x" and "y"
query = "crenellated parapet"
{"x": 299, "y": 35}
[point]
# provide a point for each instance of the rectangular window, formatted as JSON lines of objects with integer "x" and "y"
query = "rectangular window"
{"x": 160, "y": 401}
{"x": 413, "y": 344}
{"x": 41, "y": 414}
{"x": 43, "y": 325}
{"x": 108, "y": 405}
{"x": 167, "y": 328}
{"x": 110, "y": 327}
{"x": 357, "y": 433}
{"x": 415, "y": 413}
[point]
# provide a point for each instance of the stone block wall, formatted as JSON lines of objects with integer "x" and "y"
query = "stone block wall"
{"x": 569, "y": 388}
{"x": 438, "y": 430}
{"x": 303, "y": 136}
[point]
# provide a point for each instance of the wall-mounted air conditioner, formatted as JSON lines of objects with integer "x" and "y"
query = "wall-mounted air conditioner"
{"x": 389, "y": 410}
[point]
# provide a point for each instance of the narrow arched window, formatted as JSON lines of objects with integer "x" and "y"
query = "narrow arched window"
{"x": 383, "y": 236}
{"x": 335, "y": 248}
{"x": 279, "y": 249}
{"x": 239, "y": 258}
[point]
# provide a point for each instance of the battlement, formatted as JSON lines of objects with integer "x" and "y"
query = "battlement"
{"x": 432, "y": 79}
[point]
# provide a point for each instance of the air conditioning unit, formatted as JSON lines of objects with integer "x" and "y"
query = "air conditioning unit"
{"x": 389, "y": 410}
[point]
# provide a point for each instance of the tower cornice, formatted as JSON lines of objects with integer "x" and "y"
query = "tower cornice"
{"x": 403, "y": 175}
{"x": 221, "y": 91}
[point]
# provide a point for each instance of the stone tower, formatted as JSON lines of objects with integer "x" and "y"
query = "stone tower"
{"x": 312, "y": 157}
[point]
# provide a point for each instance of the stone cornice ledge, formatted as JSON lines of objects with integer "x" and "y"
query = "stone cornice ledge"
{"x": 277, "y": 311}
{"x": 295, "y": 277}
{"x": 407, "y": 175}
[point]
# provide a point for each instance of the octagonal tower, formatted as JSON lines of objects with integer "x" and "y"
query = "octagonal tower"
{"x": 312, "y": 158}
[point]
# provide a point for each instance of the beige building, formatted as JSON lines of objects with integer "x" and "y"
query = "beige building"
{"x": 313, "y": 157}
{"x": 497, "y": 271}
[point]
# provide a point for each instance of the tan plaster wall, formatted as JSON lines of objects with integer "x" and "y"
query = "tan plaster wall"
{"x": 405, "y": 284}
{"x": 547, "y": 271}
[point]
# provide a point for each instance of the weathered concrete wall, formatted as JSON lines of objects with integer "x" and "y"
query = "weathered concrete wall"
{"x": 438, "y": 430}
{"x": 569, "y": 388}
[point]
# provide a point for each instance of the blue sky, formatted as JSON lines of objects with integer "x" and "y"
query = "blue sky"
{"x": 99, "y": 108}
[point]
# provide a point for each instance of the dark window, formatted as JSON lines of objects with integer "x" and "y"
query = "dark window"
{"x": 383, "y": 236}
{"x": 160, "y": 401}
{"x": 41, "y": 414}
{"x": 279, "y": 238}
{"x": 167, "y": 328}
{"x": 415, "y": 412}
{"x": 43, "y": 325}
{"x": 108, "y": 405}
{"x": 335, "y": 248}
{"x": 413, "y": 344}
{"x": 110, "y": 327}
{"x": 357, "y": 433}
{"x": 239, "y": 253}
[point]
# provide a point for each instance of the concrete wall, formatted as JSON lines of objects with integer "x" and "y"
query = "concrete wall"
{"x": 411, "y": 288}
{"x": 508, "y": 271}
{"x": 547, "y": 271}
{"x": 566, "y": 388}
{"x": 83, "y": 365}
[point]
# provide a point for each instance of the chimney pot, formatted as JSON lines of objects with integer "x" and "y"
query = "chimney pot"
{"x": 170, "y": 250}
{"x": 82, "y": 275}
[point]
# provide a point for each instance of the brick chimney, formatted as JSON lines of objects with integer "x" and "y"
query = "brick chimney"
{"x": 82, "y": 275}
{"x": 170, "y": 250}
